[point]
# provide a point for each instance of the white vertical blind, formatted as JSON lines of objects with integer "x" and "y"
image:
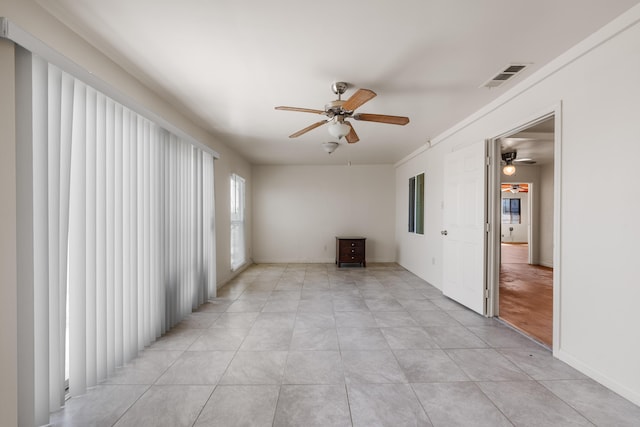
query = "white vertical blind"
{"x": 123, "y": 217}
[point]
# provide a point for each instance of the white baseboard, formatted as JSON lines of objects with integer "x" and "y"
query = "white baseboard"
{"x": 605, "y": 380}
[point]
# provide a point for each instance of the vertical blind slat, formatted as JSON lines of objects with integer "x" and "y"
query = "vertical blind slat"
{"x": 146, "y": 250}
{"x": 77, "y": 249}
{"x": 91, "y": 231}
{"x": 126, "y": 233}
{"x": 110, "y": 209}
{"x": 118, "y": 235}
{"x": 57, "y": 324}
{"x": 101, "y": 245}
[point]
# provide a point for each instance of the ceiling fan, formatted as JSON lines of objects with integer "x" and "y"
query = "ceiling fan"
{"x": 515, "y": 188}
{"x": 510, "y": 157}
{"x": 509, "y": 161}
{"x": 339, "y": 110}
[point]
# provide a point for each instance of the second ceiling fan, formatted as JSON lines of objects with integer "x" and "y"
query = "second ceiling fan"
{"x": 337, "y": 111}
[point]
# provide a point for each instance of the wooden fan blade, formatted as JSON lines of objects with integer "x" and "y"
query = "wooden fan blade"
{"x": 352, "y": 136}
{"x": 381, "y": 118}
{"x": 357, "y": 99}
{"x": 302, "y": 110}
{"x": 308, "y": 128}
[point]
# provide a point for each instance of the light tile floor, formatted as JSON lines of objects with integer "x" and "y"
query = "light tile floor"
{"x": 313, "y": 345}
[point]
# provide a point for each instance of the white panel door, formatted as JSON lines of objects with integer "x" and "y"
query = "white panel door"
{"x": 463, "y": 227}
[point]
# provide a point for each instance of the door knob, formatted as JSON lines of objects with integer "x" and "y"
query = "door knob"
{"x": 444, "y": 232}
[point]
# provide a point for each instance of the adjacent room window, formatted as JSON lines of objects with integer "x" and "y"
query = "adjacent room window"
{"x": 237, "y": 221}
{"x": 511, "y": 211}
{"x": 416, "y": 204}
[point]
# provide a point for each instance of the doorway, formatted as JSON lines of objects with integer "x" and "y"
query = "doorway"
{"x": 521, "y": 273}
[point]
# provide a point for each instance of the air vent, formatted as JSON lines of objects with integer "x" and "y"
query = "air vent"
{"x": 506, "y": 74}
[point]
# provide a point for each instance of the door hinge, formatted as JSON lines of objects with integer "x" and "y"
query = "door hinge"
{"x": 487, "y": 161}
{"x": 487, "y": 227}
{"x": 486, "y": 293}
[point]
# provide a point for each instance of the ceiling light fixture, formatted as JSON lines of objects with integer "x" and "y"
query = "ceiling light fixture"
{"x": 338, "y": 128}
{"x": 509, "y": 170}
{"x": 330, "y": 146}
{"x": 508, "y": 158}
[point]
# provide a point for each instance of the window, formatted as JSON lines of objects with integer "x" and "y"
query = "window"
{"x": 511, "y": 211}
{"x": 416, "y": 204}
{"x": 237, "y": 221}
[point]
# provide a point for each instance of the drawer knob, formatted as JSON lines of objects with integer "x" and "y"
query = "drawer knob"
{"x": 353, "y": 244}
{"x": 353, "y": 257}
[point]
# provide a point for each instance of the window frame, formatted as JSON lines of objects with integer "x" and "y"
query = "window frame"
{"x": 510, "y": 211}
{"x": 416, "y": 204}
{"x": 237, "y": 217}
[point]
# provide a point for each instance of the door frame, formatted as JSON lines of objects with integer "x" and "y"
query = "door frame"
{"x": 493, "y": 238}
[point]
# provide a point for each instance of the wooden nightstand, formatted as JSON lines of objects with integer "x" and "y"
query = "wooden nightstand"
{"x": 350, "y": 249}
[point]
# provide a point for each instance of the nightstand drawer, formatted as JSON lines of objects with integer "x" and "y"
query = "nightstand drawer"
{"x": 352, "y": 251}
{"x": 352, "y": 244}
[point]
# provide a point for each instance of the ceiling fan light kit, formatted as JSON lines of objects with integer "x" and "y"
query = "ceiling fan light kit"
{"x": 330, "y": 146}
{"x": 339, "y": 129}
{"x": 508, "y": 158}
{"x": 337, "y": 111}
{"x": 509, "y": 170}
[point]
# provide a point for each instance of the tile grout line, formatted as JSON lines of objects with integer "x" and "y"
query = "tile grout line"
{"x": 388, "y": 281}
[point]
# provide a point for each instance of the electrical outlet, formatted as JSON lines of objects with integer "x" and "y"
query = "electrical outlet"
{"x": 433, "y": 261}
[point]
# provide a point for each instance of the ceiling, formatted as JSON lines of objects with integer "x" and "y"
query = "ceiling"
{"x": 228, "y": 63}
{"x": 534, "y": 142}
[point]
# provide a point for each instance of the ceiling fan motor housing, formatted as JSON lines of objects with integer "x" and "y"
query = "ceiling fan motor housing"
{"x": 509, "y": 157}
{"x": 334, "y": 108}
{"x": 339, "y": 88}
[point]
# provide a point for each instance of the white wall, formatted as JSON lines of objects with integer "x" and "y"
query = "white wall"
{"x": 298, "y": 211}
{"x": 598, "y": 270}
{"x": 420, "y": 254}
